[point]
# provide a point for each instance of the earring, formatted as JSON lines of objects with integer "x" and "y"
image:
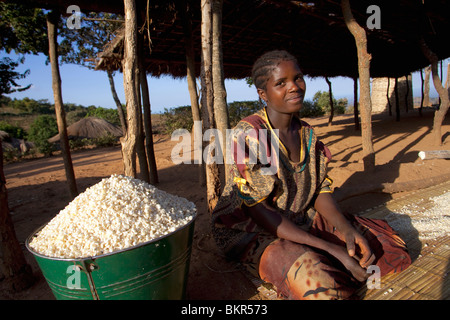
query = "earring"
{"x": 262, "y": 103}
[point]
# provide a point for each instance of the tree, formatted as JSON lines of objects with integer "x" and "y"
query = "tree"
{"x": 364, "y": 83}
{"x": 186, "y": 19}
{"x": 8, "y": 77}
{"x": 426, "y": 87}
{"x": 331, "y": 101}
{"x": 52, "y": 21}
{"x": 30, "y": 30}
{"x": 43, "y": 128}
{"x": 110, "y": 115}
{"x": 323, "y": 102}
{"x": 22, "y": 30}
{"x": 220, "y": 95}
{"x": 129, "y": 82}
{"x": 82, "y": 46}
{"x": 207, "y": 100}
{"x": 439, "y": 115}
{"x": 13, "y": 266}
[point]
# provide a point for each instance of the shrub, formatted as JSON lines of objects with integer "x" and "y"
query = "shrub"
{"x": 177, "y": 118}
{"x": 106, "y": 140}
{"x": 14, "y": 131}
{"x": 240, "y": 109}
{"x": 43, "y": 128}
{"x": 110, "y": 115}
{"x": 75, "y": 144}
{"x": 322, "y": 100}
{"x": 310, "y": 110}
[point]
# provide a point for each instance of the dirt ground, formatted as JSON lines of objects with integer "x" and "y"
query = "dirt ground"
{"x": 37, "y": 190}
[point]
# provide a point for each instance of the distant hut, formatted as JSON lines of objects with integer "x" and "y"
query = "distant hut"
{"x": 90, "y": 128}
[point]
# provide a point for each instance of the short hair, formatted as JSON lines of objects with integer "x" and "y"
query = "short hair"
{"x": 265, "y": 64}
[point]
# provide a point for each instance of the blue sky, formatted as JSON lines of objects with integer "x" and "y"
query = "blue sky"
{"x": 88, "y": 87}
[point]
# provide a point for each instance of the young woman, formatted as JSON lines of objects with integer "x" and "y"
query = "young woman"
{"x": 285, "y": 226}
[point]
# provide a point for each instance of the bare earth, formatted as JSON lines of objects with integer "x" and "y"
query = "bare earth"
{"x": 37, "y": 190}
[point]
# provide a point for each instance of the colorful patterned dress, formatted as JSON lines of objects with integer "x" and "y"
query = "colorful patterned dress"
{"x": 262, "y": 171}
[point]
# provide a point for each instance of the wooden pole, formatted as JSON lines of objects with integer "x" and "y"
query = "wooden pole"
{"x": 364, "y": 83}
{"x": 123, "y": 121}
{"x": 192, "y": 86}
{"x": 14, "y": 269}
{"x": 439, "y": 115}
{"x": 397, "y": 102}
{"x": 355, "y": 104}
{"x": 330, "y": 92}
{"x": 220, "y": 93}
{"x": 426, "y": 95}
{"x": 129, "y": 76}
{"x": 388, "y": 96}
{"x": 152, "y": 169}
{"x": 52, "y": 22}
{"x": 422, "y": 93}
{"x": 212, "y": 170}
{"x": 140, "y": 141}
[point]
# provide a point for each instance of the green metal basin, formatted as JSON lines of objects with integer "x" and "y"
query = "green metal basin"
{"x": 154, "y": 270}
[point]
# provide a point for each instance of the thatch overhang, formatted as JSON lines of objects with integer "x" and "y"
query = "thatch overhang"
{"x": 314, "y": 31}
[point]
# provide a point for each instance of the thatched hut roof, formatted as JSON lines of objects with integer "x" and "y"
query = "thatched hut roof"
{"x": 90, "y": 128}
{"x": 314, "y": 31}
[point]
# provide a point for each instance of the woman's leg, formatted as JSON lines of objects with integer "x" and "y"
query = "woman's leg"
{"x": 391, "y": 254}
{"x": 298, "y": 272}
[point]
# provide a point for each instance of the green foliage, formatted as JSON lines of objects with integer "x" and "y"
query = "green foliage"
{"x": 8, "y": 76}
{"x": 177, "y": 118}
{"x": 11, "y": 154}
{"x": 31, "y": 106}
{"x": 249, "y": 81}
{"x": 111, "y": 115}
{"x": 341, "y": 106}
{"x": 43, "y": 128}
{"x": 4, "y": 101}
{"x": 322, "y": 100}
{"x": 22, "y": 29}
{"x": 76, "y": 144}
{"x": 14, "y": 131}
{"x": 75, "y": 116}
{"x": 181, "y": 117}
{"x": 81, "y": 46}
{"x": 106, "y": 140}
{"x": 240, "y": 109}
{"x": 310, "y": 110}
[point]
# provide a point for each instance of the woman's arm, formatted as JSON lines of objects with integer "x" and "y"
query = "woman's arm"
{"x": 272, "y": 221}
{"x": 328, "y": 208}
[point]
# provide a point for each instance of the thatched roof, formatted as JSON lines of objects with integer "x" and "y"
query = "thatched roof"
{"x": 314, "y": 31}
{"x": 10, "y": 143}
{"x": 90, "y": 128}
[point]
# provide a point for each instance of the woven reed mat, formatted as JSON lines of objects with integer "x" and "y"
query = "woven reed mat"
{"x": 427, "y": 278}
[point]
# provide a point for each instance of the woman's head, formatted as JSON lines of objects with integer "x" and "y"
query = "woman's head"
{"x": 264, "y": 65}
{"x": 279, "y": 81}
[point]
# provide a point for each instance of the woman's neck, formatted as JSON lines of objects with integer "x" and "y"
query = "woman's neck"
{"x": 281, "y": 121}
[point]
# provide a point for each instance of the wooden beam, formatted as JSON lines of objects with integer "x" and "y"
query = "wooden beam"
{"x": 435, "y": 154}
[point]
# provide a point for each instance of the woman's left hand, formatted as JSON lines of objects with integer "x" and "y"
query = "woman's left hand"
{"x": 352, "y": 239}
{"x": 327, "y": 206}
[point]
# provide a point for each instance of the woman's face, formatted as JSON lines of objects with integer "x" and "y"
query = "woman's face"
{"x": 285, "y": 89}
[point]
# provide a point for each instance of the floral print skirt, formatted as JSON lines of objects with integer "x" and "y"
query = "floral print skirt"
{"x": 301, "y": 272}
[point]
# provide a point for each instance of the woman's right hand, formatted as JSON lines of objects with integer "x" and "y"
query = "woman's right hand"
{"x": 350, "y": 263}
{"x": 268, "y": 218}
